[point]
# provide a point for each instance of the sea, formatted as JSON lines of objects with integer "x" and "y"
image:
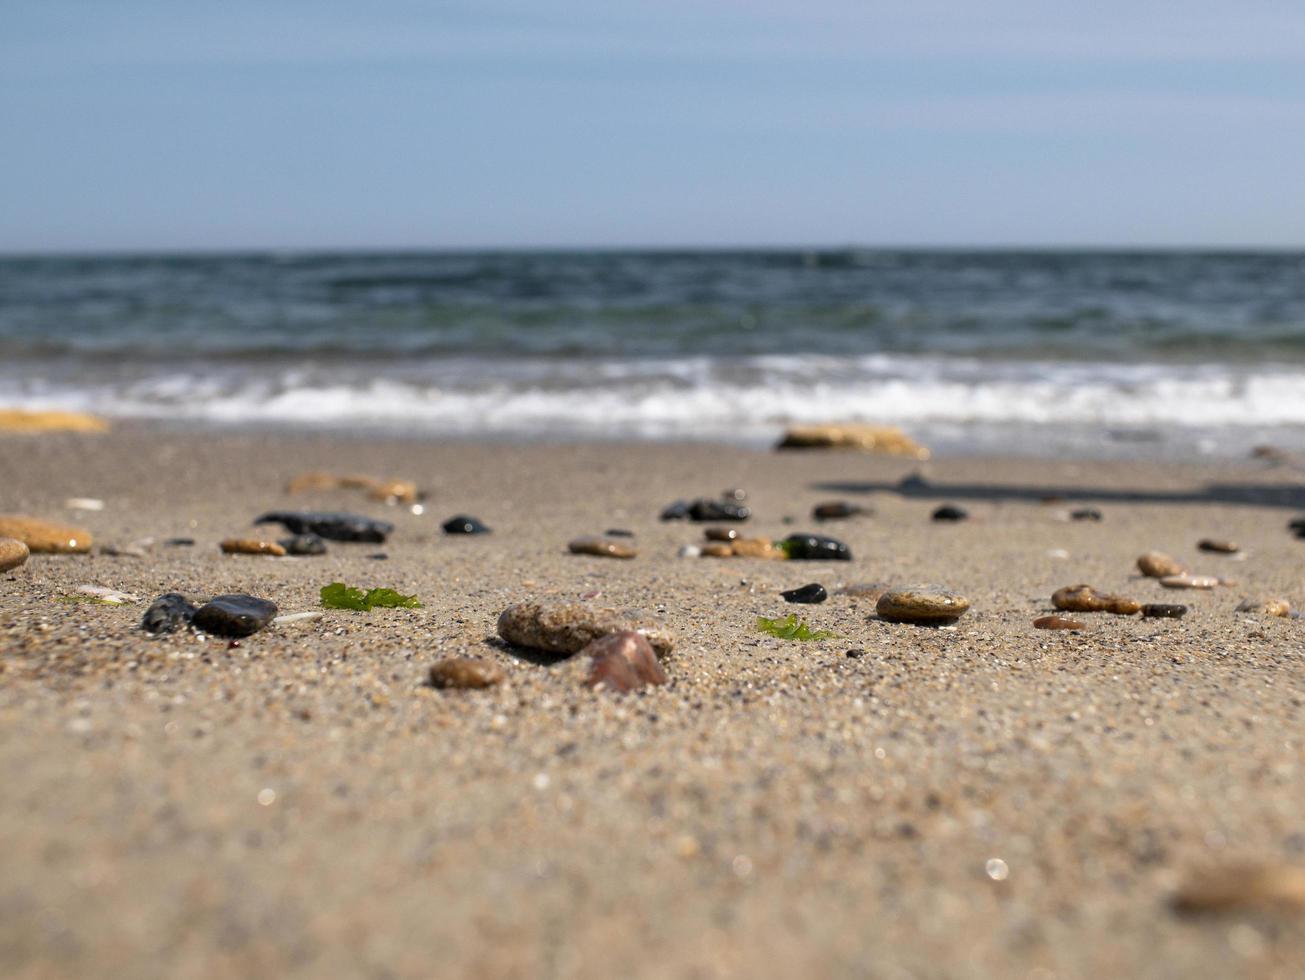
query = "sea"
{"x": 1165, "y": 354}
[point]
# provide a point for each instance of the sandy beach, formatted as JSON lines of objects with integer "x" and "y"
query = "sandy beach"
{"x": 988, "y": 800}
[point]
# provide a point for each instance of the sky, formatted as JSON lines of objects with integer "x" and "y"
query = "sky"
{"x": 293, "y": 124}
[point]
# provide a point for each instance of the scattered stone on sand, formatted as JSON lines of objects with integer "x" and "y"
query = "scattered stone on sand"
{"x": 304, "y": 545}
{"x": 921, "y": 604}
{"x": 1164, "y": 610}
{"x": 622, "y": 662}
{"x": 1190, "y": 581}
{"x": 705, "y": 509}
{"x": 1156, "y": 564}
{"x": 387, "y": 490}
{"x": 865, "y": 590}
{"x": 168, "y": 613}
{"x": 179, "y": 543}
{"x": 806, "y": 594}
{"x": 1265, "y": 607}
{"x": 251, "y": 546}
{"x": 20, "y": 420}
{"x": 1084, "y": 598}
{"x": 721, "y": 533}
{"x": 465, "y": 673}
{"x": 836, "y": 510}
{"x": 300, "y": 617}
{"x": 815, "y": 547}
{"x": 950, "y": 512}
{"x": 132, "y": 549}
{"x": 566, "y": 629}
{"x": 1297, "y": 526}
{"x": 603, "y": 547}
{"x": 1057, "y": 623}
{"x": 678, "y": 511}
{"x": 717, "y": 549}
{"x": 12, "y": 553}
{"x": 234, "y": 615}
{"x": 106, "y": 594}
{"x": 1218, "y": 546}
{"x": 618, "y": 532}
{"x": 854, "y": 653}
{"x": 464, "y": 524}
{"x": 1085, "y": 514}
{"x": 84, "y": 503}
{"x": 886, "y": 439}
{"x": 45, "y": 537}
{"x": 757, "y": 548}
{"x": 689, "y": 551}
{"x": 330, "y": 525}
{"x": 1238, "y": 887}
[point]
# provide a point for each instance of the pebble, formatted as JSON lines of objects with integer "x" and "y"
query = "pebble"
{"x": 251, "y": 546}
{"x": 1266, "y": 607}
{"x": 1156, "y": 564}
{"x": 757, "y": 548}
{"x": 921, "y": 604}
{"x": 179, "y": 543}
{"x": 618, "y": 532}
{"x": 304, "y": 545}
{"x": 721, "y": 533}
{"x": 84, "y": 503}
{"x": 389, "y": 491}
{"x": 886, "y": 439}
{"x": 1242, "y": 886}
{"x": 602, "y": 547}
{"x": 734, "y": 493}
{"x": 835, "y": 510}
{"x": 717, "y": 549}
{"x": 12, "y": 553}
{"x": 865, "y": 590}
{"x": 1297, "y": 526}
{"x": 465, "y": 673}
{"x": 1057, "y": 623}
{"x": 689, "y": 551}
{"x": 463, "y": 524}
{"x": 567, "y": 629}
{"x": 299, "y": 617}
{"x": 133, "y": 549}
{"x": 1085, "y": 514}
{"x": 45, "y": 536}
{"x": 1189, "y": 581}
{"x": 234, "y": 615}
{"x": 106, "y": 594}
{"x": 854, "y": 653}
{"x": 1084, "y": 598}
{"x": 1218, "y": 546}
{"x": 806, "y": 594}
{"x": 622, "y": 662}
{"x": 705, "y": 509}
{"x": 815, "y": 547}
{"x": 332, "y": 526}
{"x": 1163, "y": 610}
{"x": 167, "y": 613}
{"x": 950, "y": 512}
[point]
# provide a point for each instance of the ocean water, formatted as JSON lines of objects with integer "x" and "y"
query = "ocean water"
{"x": 1164, "y": 354}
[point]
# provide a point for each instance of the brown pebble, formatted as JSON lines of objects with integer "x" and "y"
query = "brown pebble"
{"x": 465, "y": 673}
{"x": 1242, "y": 886}
{"x": 717, "y": 549}
{"x": 721, "y": 533}
{"x": 1057, "y": 623}
{"x": 921, "y": 604}
{"x": 1189, "y": 582}
{"x": 45, "y": 536}
{"x": 1218, "y": 546}
{"x": 602, "y": 547}
{"x": 623, "y": 662}
{"x": 1265, "y": 607}
{"x": 1155, "y": 564}
{"x": 566, "y": 629}
{"x": 1084, "y": 598}
{"x": 1163, "y": 610}
{"x": 251, "y": 546}
{"x": 757, "y": 548}
{"x": 12, "y": 553}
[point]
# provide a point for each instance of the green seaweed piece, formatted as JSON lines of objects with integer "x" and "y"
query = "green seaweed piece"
{"x": 389, "y": 599}
{"x": 791, "y": 628}
{"x": 337, "y": 595}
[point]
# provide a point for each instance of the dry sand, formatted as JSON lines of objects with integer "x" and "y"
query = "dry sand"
{"x": 983, "y": 801}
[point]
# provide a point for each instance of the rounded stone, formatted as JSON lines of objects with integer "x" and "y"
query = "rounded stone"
{"x": 464, "y": 524}
{"x": 806, "y": 594}
{"x": 1057, "y": 623}
{"x": 47, "y": 537}
{"x": 717, "y": 549}
{"x": 1265, "y": 607}
{"x": 603, "y": 547}
{"x": 1084, "y": 598}
{"x": 167, "y": 613}
{"x": 1189, "y": 581}
{"x": 251, "y": 546}
{"x": 836, "y": 510}
{"x": 815, "y": 547}
{"x": 950, "y": 512}
{"x": 1218, "y": 546}
{"x": 921, "y": 604}
{"x": 623, "y": 662}
{"x": 1156, "y": 564}
{"x": 1163, "y": 610}
{"x": 234, "y": 615}
{"x": 465, "y": 673}
{"x": 12, "y": 553}
{"x": 757, "y": 548}
{"x": 567, "y": 629}
{"x": 304, "y": 545}
{"x": 721, "y": 533}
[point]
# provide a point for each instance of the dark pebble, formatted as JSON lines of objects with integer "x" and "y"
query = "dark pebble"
{"x": 234, "y": 615}
{"x": 1297, "y": 526}
{"x": 618, "y": 532}
{"x": 677, "y": 511}
{"x": 734, "y": 493}
{"x": 168, "y": 613}
{"x": 854, "y": 653}
{"x": 807, "y": 594}
{"x": 703, "y": 509}
{"x": 332, "y": 526}
{"x": 835, "y": 510}
{"x": 815, "y": 547}
{"x": 462, "y": 524}
{"x": 1164, "y": 610}
{"x": 179, "y": 543}
{"x": 912, "y": 484}
{"x": 304, "y": 544}
{"x": 379, "y": 556}
{"x": 950, "y": 512}
{"x": 1086, "y": 514}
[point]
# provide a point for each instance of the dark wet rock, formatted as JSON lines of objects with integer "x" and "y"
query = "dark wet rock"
{"x": 1085, "y": 514}
{"x": 465, "y": 673}
{"x": 622, "y": 662}
{"x": 1164, "y": 610}
{"x": 566, "y": 629}
{"x": 234, "y": 615}
{"x": 807, "y": 594}
{"x": 304, "y": 544}
{"x": 379, "y": 556}
{"x": 602, "y": 547}
{"x": 718, "y": 510}
{"x": 815, "y": 547}
{"x": 950, "y": 512}
{"x": 169, "y": 612}
{"x": 678, "y": 511}
{"x": 329, "y": 525}
{"x": 1218, "y": 546}
{"x": 1084, "y": 598}
{"x": 179, "y": 543}
{"x": 463, "y": 524}
{"x": 854, "y": 653}
{"x": 921, "y": 604}
{"x": 835, "y": 510}
{"x": 618, "y": 532}
{"x": 1057, "y": 623}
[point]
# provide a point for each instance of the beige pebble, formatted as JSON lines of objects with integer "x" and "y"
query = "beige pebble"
{"x": 757, "y": 548}
{"x": 251, "y": 546}
{"x": 1156, "y": 564}
{"x": 1265, "y": 607}
{"x": 1189, "y": 582}
{"x": 45, "y": 536}
{"x": 12, "y": 553}
{"x": 1242, "y": 886}
{"x": 567, "y": 629}
{"x": 921, "y": 604}
{"x": 465, "y": 673}
{"x": 603, "y": 547}
{"x": 717, "y": 549}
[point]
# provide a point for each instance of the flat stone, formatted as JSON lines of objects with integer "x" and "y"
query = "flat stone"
{"x": 1057, "y": 623}
{"x": 567, "y": 629}
{"x": 806, "y": 594}
{"x": 1265, "y": 607}
{"x": 45, "y": 537}
{"x": 950, "y": 512}
{"x": 1218, "y": 546}
{"x": 815, "y": 547}
{"x": 602, "y": 547}
{"x": 885, "y": 439}
{"x": 12, "y": 553}
{"x": 169, "y": 612}
{"x": 921, "y": 604}
{"x": 757, "y": 548}
{"x": 721, "y": 533}
{"x": 1156, "y": 564}
{"x": 1189, "y": 582}
{"x": 1085, "y": 514}
{"x": 234, "y": 615}
{"x": 330, "y": 525}
{"x": 1164, "y": 610}
{"x": 465, "y": 673}
{"x": 251, "y": 546}
{"x": 304, "y": 545}
{"x": 1239, "y": 887}
{"x": 464, "y": 524}
{"x": 1084, "y": 598}
{"x": 622, "y": 662}
{"x": 836, "y": 510}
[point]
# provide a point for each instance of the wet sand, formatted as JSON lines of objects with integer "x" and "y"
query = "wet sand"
{"x": 984, "y": 801}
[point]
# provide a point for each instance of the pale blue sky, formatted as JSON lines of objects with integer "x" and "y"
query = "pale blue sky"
{"x": 140, "y": 124}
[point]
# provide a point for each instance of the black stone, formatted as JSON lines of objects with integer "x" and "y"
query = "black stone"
{"x": 179, "y": 543}
{"x": 1297, "y": 526}
{"x": 704, "y": 509}
{"x": 379, "y": 556}
{"x": 950, "y": 512}
{"x": 677, "y": 511}
{"x": 854, "y": 653}
{"x": 462, "y": 524}
{"x": 618, "y": 532}
{"x": 332, "y": 526}
{"x": 304, "y": 544}
{"x": 1085, "y": 514}
{"x": 807, "y": 594}
{"x": 1164, "y": 610}
{"x": 167, "y": 613}
{"x": 835, "y": 510}
{"x": 815, "y": 547}
{"x": 914, "y": 483}
{"x": 234, "y": 615}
